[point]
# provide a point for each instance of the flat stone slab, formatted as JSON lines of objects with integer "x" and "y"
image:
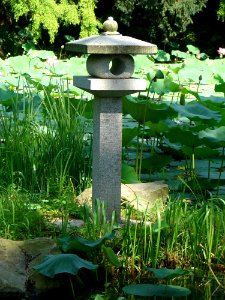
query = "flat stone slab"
{"x": 109, "y": 87}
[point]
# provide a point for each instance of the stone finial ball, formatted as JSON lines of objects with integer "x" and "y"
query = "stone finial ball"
{"x": 110, "y": 25}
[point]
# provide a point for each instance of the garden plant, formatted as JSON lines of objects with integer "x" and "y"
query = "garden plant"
{"x": 174, "y": 131}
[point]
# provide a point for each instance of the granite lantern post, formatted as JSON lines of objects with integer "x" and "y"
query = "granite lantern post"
{"x": 110, "y": 64}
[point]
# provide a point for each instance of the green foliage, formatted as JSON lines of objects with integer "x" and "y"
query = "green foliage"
{"x": 69, "y": 262}
{"x": 160, "y": 290}
{"x": 167, "y": 290}
{"x": 89, "y": 23}
{"x": 170, "y": 17}
{"x": 35, "y": 109}
{"x": 63, "y": 263}
{"x": 221, "y": 10}
{"x": 50, "y": 14}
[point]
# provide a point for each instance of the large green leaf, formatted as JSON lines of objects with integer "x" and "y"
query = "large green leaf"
{"x": 180, "y": 54}
{"x": 77, "y": 243}
{"x": 156, "y": 162}
{"x": 193, "y": 49}
{"x": 143, "y": 110}
{"x": 43, "y": 54}
{"x": 160, "y": 290}
{"x": 19, "y": 64}
{"x": 196, "y": 71}
{"x": 63, "y": 263}
{"x": 162, "y": 56}
{"x": 196, "y": 111}
{"x": 220, "y": 88}
{"x": 184, "y": 136}
{"x": 200, "y": 152}
{"x": 158, "y": 86}
{"x": 155, "y": 129}
{"x": 8, "y": 97}
{"x": 128, "y": 174}
{"x": 128, "y": 134}
{"x": 172, "y": 86}
{"x": 214, "y": 136}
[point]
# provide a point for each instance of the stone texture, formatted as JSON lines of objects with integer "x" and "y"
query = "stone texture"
{"x": 110, "y": 66}
{"x": 109, "y": 87}
{"x": 107, "y": 149}
{"x": 35, "y": 250}
{"x": 12, "y": 268}
{"x": 18, "y": 278}
{"x": 141, "y": 196}
{"x": 111, "y": 44}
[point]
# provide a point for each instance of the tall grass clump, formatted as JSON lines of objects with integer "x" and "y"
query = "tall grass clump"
{"x": 184, "y": 234}
{"x": 19, "y": 217}
{"x": 42, "y": 142}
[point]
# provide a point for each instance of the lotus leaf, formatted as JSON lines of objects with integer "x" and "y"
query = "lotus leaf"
{"x": 160, "y": 290}
{"x": 63, "y": 263}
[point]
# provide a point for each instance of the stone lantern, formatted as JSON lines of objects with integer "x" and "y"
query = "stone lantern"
{"x": 110, "y": 64}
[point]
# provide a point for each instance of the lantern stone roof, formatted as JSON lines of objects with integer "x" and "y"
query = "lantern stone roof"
{"x": 110, "y": 42}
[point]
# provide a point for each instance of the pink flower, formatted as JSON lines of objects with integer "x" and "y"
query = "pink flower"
{"x": 221, "y": 51}
{"x": 198, "y": 55}
{"x": 52, "y": 61}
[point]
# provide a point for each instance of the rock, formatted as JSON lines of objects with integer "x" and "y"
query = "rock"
{"x": 17, "y": 258}
{"x": 72, "y": 223}
{"x": 144, "y": 196}
{"x": 35, "y": 250}
{"x": 141, "y": 196}
{"x": 12, "y": 269}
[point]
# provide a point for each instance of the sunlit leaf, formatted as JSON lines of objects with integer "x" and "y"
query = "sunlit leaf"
{"x": 214, "y": 136}
{"x": 180, "y": 54}
{"x": 184, "y": 136}
{"x": 220, "y": 88}
{"x": 19, "y": 64}
{"x": 158, "y": 87}
{"x": 193, "y": 49}
{"x": 43, "y": 54}
{"x": 162, "y": 56}
{"x": 143, "y": 111}
{"x": 196, "y": 111}
{"x": 128, "y": 174}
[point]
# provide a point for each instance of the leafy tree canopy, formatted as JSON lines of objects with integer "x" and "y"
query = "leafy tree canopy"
{"x": 169, "y": 17}
{"x": 221, "y": 10}
{"x": 50, "y": 14}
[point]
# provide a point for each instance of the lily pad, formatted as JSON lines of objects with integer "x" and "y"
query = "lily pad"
{"x": 63, "y": 263}
{"x": 161, "y": 290}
